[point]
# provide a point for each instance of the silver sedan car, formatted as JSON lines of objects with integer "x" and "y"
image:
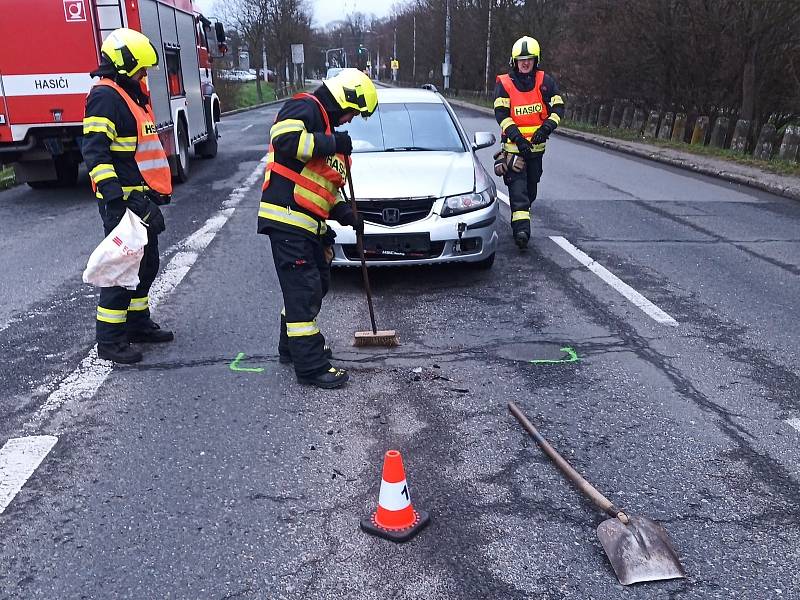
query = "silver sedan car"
{"x": 424, "y": 196}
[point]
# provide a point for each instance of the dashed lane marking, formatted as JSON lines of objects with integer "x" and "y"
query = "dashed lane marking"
{"x": 19, "y": 458}
{"x": 794, "y": 423}
{"x": 248, "y": 127}
{"x": 503, "y": 197}
{"x": 86, "y": 379}
{"x": 650, "y": 309}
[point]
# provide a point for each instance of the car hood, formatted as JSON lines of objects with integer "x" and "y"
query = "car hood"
{"x": 412, "y": 174}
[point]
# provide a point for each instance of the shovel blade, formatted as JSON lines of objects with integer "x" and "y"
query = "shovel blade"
{"x": 639, "y": 551}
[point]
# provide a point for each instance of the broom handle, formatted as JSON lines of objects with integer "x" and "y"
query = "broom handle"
{"x": 360, "y": 244}
{"x": 587, "y": 488}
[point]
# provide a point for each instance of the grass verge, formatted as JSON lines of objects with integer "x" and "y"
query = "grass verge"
{"x": 7, "y": 177}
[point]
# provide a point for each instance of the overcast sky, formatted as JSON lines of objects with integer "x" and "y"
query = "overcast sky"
{"x": 326, "y": 11}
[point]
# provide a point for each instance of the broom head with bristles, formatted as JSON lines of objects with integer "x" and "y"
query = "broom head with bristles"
{"x": 386, "y": 338}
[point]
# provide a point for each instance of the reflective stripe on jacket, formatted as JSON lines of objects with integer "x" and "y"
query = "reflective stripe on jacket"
{"x": 149, "y": 155}
{"x": 528, "y": 110}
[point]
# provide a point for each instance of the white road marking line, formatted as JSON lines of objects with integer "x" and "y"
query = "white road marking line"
{"x": 86, "y": 379}
{"x": 503, "y": 197}
{"x": 19, "y": 458}
{"x": 248, "y": 127}
{"x": 615, "y": 282}
{"x": 794, "y": 423}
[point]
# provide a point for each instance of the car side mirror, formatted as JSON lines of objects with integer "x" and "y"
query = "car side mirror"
{"x": 219, "y": 29}
{"x": 483, "y": 139}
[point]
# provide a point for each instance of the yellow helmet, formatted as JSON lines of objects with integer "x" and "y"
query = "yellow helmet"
{"x": 525, "y": 47}
{"x": 353, "y": 89}
{"x": 129, "y": 51}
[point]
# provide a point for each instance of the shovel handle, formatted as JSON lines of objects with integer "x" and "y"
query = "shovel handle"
{"x": 587, "y": 488}
{"x": 360, "y": 244}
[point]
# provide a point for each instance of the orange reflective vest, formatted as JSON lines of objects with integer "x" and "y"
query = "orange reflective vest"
{"x": 149, "y": 156}
{"x": 528, "y": 109}
{"x": 316, "y": 186}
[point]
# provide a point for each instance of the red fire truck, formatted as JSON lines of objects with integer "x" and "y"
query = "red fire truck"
{"x": 48, "y": 48}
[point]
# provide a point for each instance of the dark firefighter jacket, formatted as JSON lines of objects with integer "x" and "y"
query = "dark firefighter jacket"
{"x": 524, "y": 83}
{"x": 290, "y": 145}
{"x": 109, "y": 139}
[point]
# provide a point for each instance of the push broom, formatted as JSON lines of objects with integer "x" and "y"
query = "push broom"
{"x": 385, "y": 337}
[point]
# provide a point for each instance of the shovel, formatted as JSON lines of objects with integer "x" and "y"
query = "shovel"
{"x": 639, "y": 549}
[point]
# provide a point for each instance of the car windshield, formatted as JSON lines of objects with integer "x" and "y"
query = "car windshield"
{"x": 405, "y": 127}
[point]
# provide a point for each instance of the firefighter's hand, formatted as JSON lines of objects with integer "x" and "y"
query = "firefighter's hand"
{"x": 344, "y": 145}
{"x": 138, "y": 202}
{"x": 154, "y": 219}
{"x": 328, "y": 250}
{"x": 358, "y": 224}
{"x": 525, "y": 147}
{"x": 544, "y": 131}
{"x": 160, "y": 199}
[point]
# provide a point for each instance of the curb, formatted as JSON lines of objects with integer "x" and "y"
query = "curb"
{"x": 654, "y": 154}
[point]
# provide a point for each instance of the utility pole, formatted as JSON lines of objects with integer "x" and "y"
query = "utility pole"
{"x": 488, "y": 49}
{"x": 414, "y": 52}
{"x": 446, "y": 65}
{"x": 394, "y": 52}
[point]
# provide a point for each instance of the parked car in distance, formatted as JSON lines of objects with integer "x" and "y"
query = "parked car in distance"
{"x": 424, "y": 195}
{"x": 236, "y": 75}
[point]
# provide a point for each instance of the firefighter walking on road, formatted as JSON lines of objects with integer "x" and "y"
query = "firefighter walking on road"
{"x": 528, "y": 108}
{"x": 305, "y": 172}
{"x": 128, "y": 169}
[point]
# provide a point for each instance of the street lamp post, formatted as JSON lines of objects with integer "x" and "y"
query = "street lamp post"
{"x": 446, "y": 65}
{"x": 488, "y": 49}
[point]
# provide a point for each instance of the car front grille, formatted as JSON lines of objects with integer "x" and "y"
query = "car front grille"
{"x": 435, "y": 251}
{"x": 395, "y": 211}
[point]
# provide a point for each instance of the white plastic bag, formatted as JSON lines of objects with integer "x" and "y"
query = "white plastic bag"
{"x": 115, "y": 262}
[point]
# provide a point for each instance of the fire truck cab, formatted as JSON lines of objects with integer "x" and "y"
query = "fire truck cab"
{"x": 50, "y": 46}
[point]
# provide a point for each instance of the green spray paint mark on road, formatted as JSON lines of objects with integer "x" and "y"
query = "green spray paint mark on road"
{"x": 573, "y": 357}
{"x": 235, "y": 365}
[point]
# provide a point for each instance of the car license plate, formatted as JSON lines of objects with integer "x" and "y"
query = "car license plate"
{"x": 410, "y": 244}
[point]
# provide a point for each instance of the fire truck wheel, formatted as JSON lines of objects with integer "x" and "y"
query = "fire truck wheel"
{"x": 182, "y": 160}
{"x": 208, "y": 148}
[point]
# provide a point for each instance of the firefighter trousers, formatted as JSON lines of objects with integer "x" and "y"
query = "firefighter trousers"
{"x": 305, "y": 277}
{"x": 522, "y": 188}
{"x": 121, "y": 310}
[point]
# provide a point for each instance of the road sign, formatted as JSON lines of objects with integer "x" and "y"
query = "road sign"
{"x": 298, "y": 56}
{"x": 395, "y": 65}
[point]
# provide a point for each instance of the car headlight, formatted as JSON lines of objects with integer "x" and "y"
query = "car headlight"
{"x": 454, "y": 205}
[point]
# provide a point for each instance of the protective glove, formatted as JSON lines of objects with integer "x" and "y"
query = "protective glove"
{"x": 344, "y": 145}
{"x": 525, "y": 147}
{"x": 138, "y": 202}
{"x": 141, "y": 204}
{"x": 328, "y": 237}
{"x": 358, "y": 224}
{"x": 160, "y": 199}
{"x": 544, "y": 131}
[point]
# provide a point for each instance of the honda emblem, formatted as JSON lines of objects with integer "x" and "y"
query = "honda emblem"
{"x": 391, "y": 216}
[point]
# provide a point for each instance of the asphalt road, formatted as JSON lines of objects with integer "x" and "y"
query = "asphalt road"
{"x": 184, "y": 478}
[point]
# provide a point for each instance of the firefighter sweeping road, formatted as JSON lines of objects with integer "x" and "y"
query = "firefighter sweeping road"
{"x": 206, "y": 471}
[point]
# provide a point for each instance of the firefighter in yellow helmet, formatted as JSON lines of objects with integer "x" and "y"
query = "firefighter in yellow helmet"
{"x": 305, "y": 172}
{"x": 128, "y": 169}
{"x": 528, "y": 108}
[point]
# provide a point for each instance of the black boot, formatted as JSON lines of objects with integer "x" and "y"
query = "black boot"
{"x": 330, "y": 379}
{"x": 149, "y": 332}
{"x": 286, "y": 358}
{"x": 521, "y": 239}
{"x": 119, "y": 352}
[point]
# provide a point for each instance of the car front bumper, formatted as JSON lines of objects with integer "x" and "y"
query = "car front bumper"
{"x": 478, "y": 240}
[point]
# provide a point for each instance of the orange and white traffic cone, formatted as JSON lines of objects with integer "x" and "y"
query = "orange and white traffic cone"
{"x": 395, "y": 519}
